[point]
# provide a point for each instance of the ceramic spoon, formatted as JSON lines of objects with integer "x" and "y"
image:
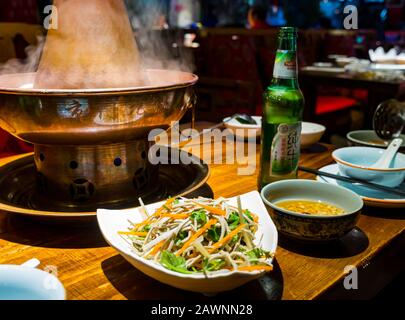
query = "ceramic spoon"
{"x": 388, "y": 155}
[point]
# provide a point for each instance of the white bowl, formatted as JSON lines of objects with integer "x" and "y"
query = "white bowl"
{"x": 244, "y": 131}
{"x": 113, "y": 221}
{"x": 25, "y": 283}
{"x": 311, "y": 134}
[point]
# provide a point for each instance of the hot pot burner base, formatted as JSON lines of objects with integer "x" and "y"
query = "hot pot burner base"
{"x": 23, "y": 188}
{"x": 90, "y": 176}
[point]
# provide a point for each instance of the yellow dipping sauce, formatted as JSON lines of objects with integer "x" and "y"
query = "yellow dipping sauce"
{"x": 317, "y": 208}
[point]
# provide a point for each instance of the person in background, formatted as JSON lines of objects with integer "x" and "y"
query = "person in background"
{"x": 257, "y": 18}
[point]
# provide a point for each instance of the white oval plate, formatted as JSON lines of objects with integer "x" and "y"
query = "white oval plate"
{"x": 113, "y": 221}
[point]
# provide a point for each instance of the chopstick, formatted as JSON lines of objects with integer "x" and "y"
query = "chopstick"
{"x": 353, "y": 180}
{"x": 181, "y": 144}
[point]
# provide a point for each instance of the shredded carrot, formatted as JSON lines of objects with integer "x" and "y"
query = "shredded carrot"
{"x": 250, "y": 268}
{"x": 256, "y": 268}
{"x": 226, "y": 239}
{"x": 175, "y": 216}
{"x": 157, "y": 248}
{"x": 141, "y": 224}
{"x": 196, "y": 235}
{"x": 157, "y": 213}
{"x": 160, "y": 210}
{"x": 213, "y": 210}
{"x": 131, "y": 233}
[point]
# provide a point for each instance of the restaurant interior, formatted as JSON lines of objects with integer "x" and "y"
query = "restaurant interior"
{"x": 74, "y": 149}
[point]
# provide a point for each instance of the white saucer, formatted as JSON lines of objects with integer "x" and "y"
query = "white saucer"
{"x": 371, "y": 197}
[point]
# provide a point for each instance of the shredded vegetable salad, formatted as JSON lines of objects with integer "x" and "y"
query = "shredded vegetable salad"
{"x": 199, "y": 236}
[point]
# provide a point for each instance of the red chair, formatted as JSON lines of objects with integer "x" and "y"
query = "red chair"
{"x": 334, "y": 105}
{"x": 329, "y": 104}
{"x": 339, "y": 114}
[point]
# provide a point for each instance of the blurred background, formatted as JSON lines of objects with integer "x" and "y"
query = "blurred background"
{"x": 231, "y": 45}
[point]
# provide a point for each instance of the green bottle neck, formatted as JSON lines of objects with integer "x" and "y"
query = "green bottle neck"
{"x": 287, "y": 42}
{"x": 286, "y": 77}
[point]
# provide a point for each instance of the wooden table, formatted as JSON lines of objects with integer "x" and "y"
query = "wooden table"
{"x": 378, "y": 90}
{"x": 90, "y": 269}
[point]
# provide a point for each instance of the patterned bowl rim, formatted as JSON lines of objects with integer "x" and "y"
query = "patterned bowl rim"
{"x": 265, "y": 192}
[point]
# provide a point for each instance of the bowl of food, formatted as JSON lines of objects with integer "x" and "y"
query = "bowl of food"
{"x": 242, "y": 128}
{"x": 311, "y": 210}
{"x": 311, "y": 134}
{"x": 200, "y": 245}
{"x": 357, "y": 162}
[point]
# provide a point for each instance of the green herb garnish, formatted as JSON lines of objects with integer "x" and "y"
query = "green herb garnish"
{"x": 257, "y": 253}
{"x": 172, "y": 262}
{"x": 233, "y": 220}
{"x": 180, "y": 237}
{"x": 213, "y": 265}
{"x": 248, "y": 214}
{"x": 147, "y": 228}
{"x": 199, "y": 216}
{"x": 214, "y": 233}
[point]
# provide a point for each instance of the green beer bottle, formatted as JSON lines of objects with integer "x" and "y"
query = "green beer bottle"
{"x": 283, "y": 110}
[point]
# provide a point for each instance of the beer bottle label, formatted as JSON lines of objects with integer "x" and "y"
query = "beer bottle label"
{"x": 285, "y": 149}
{"x": 285, "y": 66}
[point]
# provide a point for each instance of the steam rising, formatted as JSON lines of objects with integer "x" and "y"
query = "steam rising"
{"x": 30, "y": 64}
{"x": 160, "y": 49}
{"x": 94, "y": 47}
